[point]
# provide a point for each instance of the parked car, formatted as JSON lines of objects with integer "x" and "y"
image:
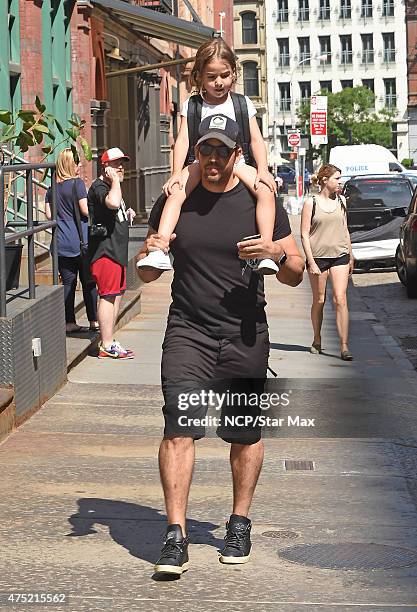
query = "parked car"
{"x": 287, "y": 173}
{"x": 406, "y": 254}
{"x": 376, "y": 207}
{"x": 365, "y": 159}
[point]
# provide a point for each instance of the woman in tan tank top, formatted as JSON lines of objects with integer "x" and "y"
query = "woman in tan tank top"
{"x": 328, "y": 251}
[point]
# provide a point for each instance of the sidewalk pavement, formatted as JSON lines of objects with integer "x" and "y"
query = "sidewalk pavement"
{"x": 85, "y": 510}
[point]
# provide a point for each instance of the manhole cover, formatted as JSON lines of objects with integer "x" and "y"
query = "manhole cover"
{"x": 292, "y": 464}
{"x": 350, "y": 556}
{"x": 410, "y": 342}
{"x": 282, "y": 534}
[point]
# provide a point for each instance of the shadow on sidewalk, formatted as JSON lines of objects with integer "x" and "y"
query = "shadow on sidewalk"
{"x": 289, "y": 347}
{"x": 139, "y": 529}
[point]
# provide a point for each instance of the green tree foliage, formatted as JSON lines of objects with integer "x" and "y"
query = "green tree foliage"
{"x": 30, "y": 127}
{"x": 351, "y": 118}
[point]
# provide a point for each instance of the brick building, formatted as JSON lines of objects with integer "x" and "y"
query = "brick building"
{"x": 70, "y": 54}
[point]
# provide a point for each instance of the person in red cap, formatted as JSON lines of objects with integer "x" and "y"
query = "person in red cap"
{"x": 108, "y": 243}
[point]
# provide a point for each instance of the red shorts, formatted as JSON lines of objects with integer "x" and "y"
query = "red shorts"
{"x": 109, "y": 275}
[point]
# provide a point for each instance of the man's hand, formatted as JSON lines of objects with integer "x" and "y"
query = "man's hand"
{"x": 157, "y": 242}
{"x": 111, "y": 174}
{"x": 259, "y": 248}
{"x": 130, "y": 214}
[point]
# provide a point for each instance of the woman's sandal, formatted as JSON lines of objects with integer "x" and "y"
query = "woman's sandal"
{"x": 346, "y": 356}
{"x": 315, "y": 349}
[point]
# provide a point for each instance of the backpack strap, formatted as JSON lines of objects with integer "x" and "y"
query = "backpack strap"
{"x": 313, "y": 211}
{"x": 195, "y": 105}
{"x": 242, "y": 118}
{"x": 342, "y": 204}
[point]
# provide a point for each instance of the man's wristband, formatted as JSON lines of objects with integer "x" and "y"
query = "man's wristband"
{"x": 281, "y": 261}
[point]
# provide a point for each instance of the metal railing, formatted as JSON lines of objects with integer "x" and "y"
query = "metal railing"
{"x": 283, "y": 60}
{"x": 324, "y": 13}
{"x": 389, "y": 56}
{"x": 17, "y": 197}
{"x": 367, "y": 56}
{"x": 32, "y": 227}
{"x": 282, "y": 16}
{"x": 346, "y": 58}
{"x": 366, "y": 11}
{"x": 303, "y": 14}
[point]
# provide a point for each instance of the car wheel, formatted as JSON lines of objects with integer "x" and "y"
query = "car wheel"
{"x": 411, "y": 286}
{"x": 400, "y": 266}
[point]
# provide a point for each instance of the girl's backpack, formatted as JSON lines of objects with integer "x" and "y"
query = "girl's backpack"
{"x": 195, "y": 105}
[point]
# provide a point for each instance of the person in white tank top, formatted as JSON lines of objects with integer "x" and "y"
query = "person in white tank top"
{"x": 326, "y": 242}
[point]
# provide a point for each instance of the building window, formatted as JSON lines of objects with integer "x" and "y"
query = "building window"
{"x": 345, "y": 9}
{"x": 282, "y": 11}
{"x": 367, "y": 48}
{"x": 390, "y": 93}
{"x": 369, "y": 83}
{"x": 325, "y": 49}
{"x": 324, "y": 10}
{"x": 389, "y": 46}
{"x": 346, "y": 83}
{"x": 283, "y": 52}
{"x": 305, "y": 90}
{"x": 346, "y": 49}
{"x": 366, "y": 9}
{"x": 388, "y": 8}
{"x": 326, "y": 85}
{"x": 250, "y": 79}
{"x": 285, "y": 96}
{"x": 249, "y": 29}
{"x": 304, "y": 49}
{"x": 303, "y": 10}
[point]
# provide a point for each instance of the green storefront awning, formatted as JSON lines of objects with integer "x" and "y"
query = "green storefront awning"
{"x": 158, "y": 25}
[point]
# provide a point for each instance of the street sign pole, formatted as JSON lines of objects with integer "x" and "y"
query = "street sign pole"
{"x": 302, "y": 154}
{"x": 294, "y": 139}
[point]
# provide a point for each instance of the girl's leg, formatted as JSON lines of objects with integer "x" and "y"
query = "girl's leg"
{"x": 339, "y": 276}
{"x": 265, "y": 210}
{"x": 68, "y": 268}
{"x": 191, "y": 176}
{"x": 318, "y": 286}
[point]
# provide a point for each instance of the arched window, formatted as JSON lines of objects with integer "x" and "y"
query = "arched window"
{"x": 249, "y": 29}
{"x": 250, "y": 79}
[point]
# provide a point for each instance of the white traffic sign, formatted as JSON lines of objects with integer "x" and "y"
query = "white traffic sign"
{"x": 294, "y": 138}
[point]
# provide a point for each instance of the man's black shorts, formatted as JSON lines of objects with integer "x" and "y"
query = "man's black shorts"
{"x": 194, "y": 364}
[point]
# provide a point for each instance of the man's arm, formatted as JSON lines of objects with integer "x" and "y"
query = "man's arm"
{"x": 291, "y": 273}
{"x": 114, "y": 197}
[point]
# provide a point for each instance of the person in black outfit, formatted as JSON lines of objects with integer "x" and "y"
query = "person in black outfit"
{"x": 217, "y": 329}
{"x": 69, "y": 260}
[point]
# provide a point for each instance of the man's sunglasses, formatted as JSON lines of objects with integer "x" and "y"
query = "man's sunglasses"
{"x": 222, "y": 150}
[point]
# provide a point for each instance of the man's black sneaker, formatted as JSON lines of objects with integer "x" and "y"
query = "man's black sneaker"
{"x": 237, "y": 540}
{"x": 174, "y": 554}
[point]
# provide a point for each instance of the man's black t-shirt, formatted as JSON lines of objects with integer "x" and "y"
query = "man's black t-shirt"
{"x": 210, "y": 288}
{"x": 115, "y": 245}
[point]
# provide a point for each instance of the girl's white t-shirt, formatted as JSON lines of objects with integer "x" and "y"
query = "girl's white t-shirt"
{"x": 226, "y": 108}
